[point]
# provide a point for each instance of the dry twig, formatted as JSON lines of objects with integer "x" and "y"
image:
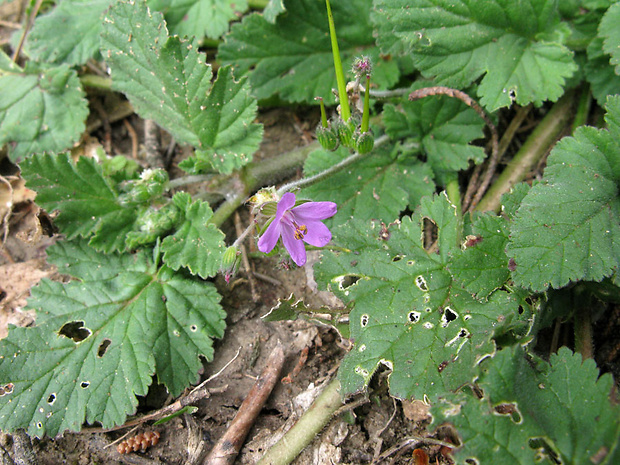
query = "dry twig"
{"x": 227, "y": 448}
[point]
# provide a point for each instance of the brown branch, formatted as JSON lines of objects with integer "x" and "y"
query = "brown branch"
{"x": 154, "y": 158}
{"x": 229, "y": 445}
{"x": 467, "y": 100}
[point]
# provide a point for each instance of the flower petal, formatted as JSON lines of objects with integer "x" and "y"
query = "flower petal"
{"x": 270, "y": 237}
{"x": 286, "y": 203}
{"x": 318, "y": 234}
{"x": 295, "y": 247}
{"x": 314, "y": 211}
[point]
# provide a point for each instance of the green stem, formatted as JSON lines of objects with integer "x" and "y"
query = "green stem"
{"x": 190, "y": 179}
{"x": 305, "y": 182}
{"x": 305, "y": 430}
{"x": 345, "y": 112}
{"x": 258, "y": 4}
{"x": 535, "y": 147}
{"x": 583, "y": 107}
{"x": 97, "y": 82}
{"x": 366, "y": 108}
{"x": 258, "y": 174}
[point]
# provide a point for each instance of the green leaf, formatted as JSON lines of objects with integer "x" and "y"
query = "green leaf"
{"x": 483, "y": 266}
{"x": 440, "y": 127}
{"x": 69, "y": 33}
{"x": 100, "y": 338}
{"x": 568, "y": 225}
{"x": 199, "y": 17}
{"x": 87, "y": 204}
{"x": 378, "y": 187}
{"x": 196, "y": 244}
{"x": 601, "y": 76}
{"x": 166, "y": 79}
{"x": 273, "y": 9}
{"x": 408, "y": 314}
{"x": 512, "y": 44}
{"x": 564, "y": 407}
{"x": 42, "y": 109}
{"x": 293, "y": 57}
{"x": 611, "y": 33}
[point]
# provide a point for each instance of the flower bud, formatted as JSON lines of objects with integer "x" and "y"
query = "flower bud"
{"x": 345, "y": 132}
{"x": 364, "y": 142}
{"x": 362, "y": 67}
{"x": 230, "y": 262}
{"x": 327, "y": 138}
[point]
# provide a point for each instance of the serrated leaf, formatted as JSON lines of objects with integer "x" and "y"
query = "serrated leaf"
{"x": 199, "y": 17}
{"x": 99, "y": 339}
{"x": 408, "y": 314}
{"x": 293, "y": 57}
{"x": 87, "y": 204}
{"x": 42, "y": 109}
{"x": 566, "y": 405}
{"x": 611, "y": 33}
{"x": 483, "y": 265}
{"x": 69, "y": 33}
{"x": 440, "y": 127}
{"x": 601, "y": 76}
{"x": 568, "y": 226}
{"x": 196, "y": 245}
{"x": 377, "y": 187}
{"x": 166, "y": 79}
{"x": 458, "y": 42}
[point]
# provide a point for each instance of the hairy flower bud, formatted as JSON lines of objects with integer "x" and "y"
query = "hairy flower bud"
{"x": 230, "y": 262}
{"x": 362, "y": 67}
{"x": 327, "y": 138}
{"x": 364, "y": 142}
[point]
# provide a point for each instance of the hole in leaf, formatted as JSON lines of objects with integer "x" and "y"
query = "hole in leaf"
{"x": 510, "y": 409}
{"x": 75, "y": 330}
{"x": 397, "y": 258}
{"x": 51, "y": 399}
{"x": 448, "y": 316}
{"x": 544, "y": 450}
{"x": 420, "y": 282}
{"x": 193, "y": 328}
{"x": 84, "y": 384}
{"x": 103, "y": 347}
{"x": 6, "y": 389}
{"x": 346, "y": 281}
{"x": 364, "y": 320}
{"x": 413, "y": 317}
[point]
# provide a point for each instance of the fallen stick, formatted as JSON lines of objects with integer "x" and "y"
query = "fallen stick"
{"x": 229, "y": 445}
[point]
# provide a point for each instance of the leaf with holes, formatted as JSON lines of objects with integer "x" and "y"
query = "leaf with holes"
{"x": 568, "y": 226}
{"x": 293, "y": 57}
{"x": 439, "y": 127}
{"x": 377, "y": 187}
{"x": 42, "y": 108}
{"x": 532, "y": 410}
{"x": 408, "y": 315}
{"x": 514, "y": 45}
{"x": 101, "y": 337}
{"x": 166, "y": 79}
{"x": 196, "y": 244}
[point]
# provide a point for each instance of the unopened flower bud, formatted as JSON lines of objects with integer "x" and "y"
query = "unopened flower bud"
{"x": 364, "y": 142}
{"x": 362, "y": 67}
{"x": 327, "y": 138}
{"x": 230, "y": 262}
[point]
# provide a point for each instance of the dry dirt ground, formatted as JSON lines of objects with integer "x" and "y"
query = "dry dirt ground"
{"x": 378, "y": 425}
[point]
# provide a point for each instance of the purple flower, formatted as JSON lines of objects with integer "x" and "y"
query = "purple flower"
{"x": 297, "y": 225}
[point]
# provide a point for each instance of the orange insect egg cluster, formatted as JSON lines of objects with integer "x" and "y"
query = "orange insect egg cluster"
{"x": 141, "y": 442}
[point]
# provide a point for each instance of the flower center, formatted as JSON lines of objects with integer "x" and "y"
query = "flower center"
{"x": 300, "y": 231}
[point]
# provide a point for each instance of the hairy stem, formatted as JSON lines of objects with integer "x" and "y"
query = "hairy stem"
{"x": 305, "y": 430}
{"x": 305, "y": 182}
{"x": 536, "y": 146}
{"x": 96, "y": 82}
